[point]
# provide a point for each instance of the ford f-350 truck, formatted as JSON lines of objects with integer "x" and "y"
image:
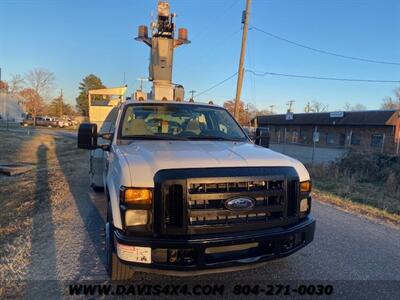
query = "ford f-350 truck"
{"x": 189, "y": 193}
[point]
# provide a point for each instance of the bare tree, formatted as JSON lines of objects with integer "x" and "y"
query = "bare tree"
{"x": 358, "y": 106}
{"x": 33, "y": 102}
{"x": 347, "y": 107}
{"x": 392, "y": 103}
{"x": 244, "y": 116}
{"x": 16, "y": 83}
{"x": 41, "y": 81}
{"x": 316, "y": 107}
{"x": 4, "y": 86}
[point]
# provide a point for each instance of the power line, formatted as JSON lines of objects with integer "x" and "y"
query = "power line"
{"x": 325, "y": 51}
{"x": 216, "y": 85}
{"x": 322, "y": 78}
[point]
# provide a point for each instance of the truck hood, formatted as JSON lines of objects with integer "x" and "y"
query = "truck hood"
{"x": 145, "y": 158}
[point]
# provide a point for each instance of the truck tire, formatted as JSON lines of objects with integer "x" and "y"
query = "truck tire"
{"x": 116, "y": 270}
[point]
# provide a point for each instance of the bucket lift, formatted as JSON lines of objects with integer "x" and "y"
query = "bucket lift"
{"x": 162, "y": 44}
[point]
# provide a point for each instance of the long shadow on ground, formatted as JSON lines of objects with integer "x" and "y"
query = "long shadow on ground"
{"x": 43, "y": 259}
{"x": 76, "y": 174}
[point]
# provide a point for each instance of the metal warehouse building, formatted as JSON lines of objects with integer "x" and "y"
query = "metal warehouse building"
{"x": 377, "y": 130}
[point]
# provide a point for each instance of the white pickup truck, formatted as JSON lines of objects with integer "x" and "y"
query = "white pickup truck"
{"x": 189, "y": 193}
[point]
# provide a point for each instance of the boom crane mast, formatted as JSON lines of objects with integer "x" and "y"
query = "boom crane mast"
{"x": 162, "y": 44}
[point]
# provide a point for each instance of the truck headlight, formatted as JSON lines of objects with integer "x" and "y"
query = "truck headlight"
{"x": 135, "y": 205}
{"x": 304, "y": 206}
{"x": 137, "y": 196}
{"x": 305, "y": 198}
{"x": 135, "y": 217}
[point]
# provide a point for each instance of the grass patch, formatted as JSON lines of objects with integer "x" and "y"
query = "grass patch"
{"x": 371, "y": 180}
{"x": 362, "y": 209}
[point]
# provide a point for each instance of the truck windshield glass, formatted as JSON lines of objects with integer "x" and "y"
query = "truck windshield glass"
{"x": 179, "y": 121}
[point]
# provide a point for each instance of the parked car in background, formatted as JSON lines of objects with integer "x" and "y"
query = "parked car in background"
{"x": 66, "y": 122}
{"x": 62, "y": 123}
{"x": 40, "y": 121}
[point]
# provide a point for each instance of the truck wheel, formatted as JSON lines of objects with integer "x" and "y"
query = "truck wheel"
{"x": 116, "y": 270}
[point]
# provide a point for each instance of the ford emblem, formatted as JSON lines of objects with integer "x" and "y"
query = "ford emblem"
{"x": 240, "y": 203}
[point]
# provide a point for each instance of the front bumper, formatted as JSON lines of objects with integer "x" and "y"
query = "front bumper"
{"x": 265, "y": 245}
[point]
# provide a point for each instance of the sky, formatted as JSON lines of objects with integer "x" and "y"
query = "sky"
{"x": 75, "y": 38}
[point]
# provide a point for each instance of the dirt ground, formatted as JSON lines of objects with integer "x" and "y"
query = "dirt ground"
{"x": 43, "y": 214}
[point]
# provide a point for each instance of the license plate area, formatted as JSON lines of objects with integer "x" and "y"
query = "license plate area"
{"x": 134, "y": 253}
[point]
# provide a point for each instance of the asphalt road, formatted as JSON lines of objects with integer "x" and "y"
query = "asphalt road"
{"x": 358, "y": 256}
{"x": 345, "y": 247}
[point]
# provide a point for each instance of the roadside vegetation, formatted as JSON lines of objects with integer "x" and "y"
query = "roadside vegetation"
{"x": 369, "y": 179}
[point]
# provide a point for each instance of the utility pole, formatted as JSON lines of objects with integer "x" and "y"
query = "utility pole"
{"x": 271, "y": 108}
{"x": 290, "y": 104}
{"x": 61, "y": 103}
{"x": 241, "y": 62}
{"x": 192, "y": 92}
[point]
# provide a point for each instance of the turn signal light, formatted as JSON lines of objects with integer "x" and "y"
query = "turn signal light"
{"x": 305, "y": 186}
{"x": 137, "y": 196}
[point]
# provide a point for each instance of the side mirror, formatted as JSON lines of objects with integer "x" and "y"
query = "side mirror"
{"x": 262, "y": 137}
{"x": 107, "y": 136}
{"x": 87, "y": 136}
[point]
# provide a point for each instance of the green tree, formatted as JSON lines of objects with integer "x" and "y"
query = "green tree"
{"x": 90, "y": 82}
{"x": 57, "y": 107}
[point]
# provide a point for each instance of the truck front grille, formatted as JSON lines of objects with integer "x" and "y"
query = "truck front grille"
{"x": 198, "y": 205}
{"x": 207, "y": 202}
{"x": 174, "y": 204}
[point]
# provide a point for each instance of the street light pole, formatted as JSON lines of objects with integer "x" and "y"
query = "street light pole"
{"x": 241, "y": 62}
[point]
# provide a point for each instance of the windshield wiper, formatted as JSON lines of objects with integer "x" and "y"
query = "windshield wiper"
{"x": 216, "y": 138}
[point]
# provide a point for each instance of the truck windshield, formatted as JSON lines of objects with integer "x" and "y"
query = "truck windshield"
{"x": 179, "y": 122}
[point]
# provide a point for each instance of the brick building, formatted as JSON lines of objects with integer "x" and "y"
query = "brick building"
{"x": 377, "y": 130}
